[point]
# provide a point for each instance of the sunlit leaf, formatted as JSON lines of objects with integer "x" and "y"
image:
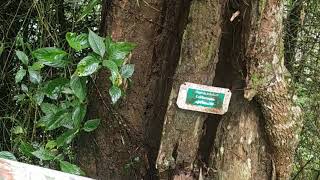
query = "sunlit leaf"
{"x": 115, "y": 94}
{"x": 22, "y": 57}
{"x": 44, "y": 154}
{"x": 20, "y": 75}
{"x": 34, "y": 76}
{"x": 118, "y": 51}
{"x": 50, "y": 56}
{"x": 26, "y": 149}
{"x": 96, "y": 43}
{"x": 111, "y": 65}
{"x": 51, "y": 144}
{"x": 87, "y": 66}
{"x": 127, "y": 70}
{"x": 77, "y": 42}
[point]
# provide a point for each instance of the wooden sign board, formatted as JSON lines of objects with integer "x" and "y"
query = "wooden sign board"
{"x": 12, "y": 170}
{"x": 203, "y": 98}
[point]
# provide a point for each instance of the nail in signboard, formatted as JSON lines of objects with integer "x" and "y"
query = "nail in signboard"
{"x": 203, "y": 98}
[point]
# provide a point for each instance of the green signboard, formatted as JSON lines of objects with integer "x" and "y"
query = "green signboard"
{"x": 204, "y": 98}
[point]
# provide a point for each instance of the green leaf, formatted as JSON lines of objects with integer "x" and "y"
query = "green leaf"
{"x": 78, "y": 115}
{"x": 48, "y": 108}
{"x": 51, "y": 56}
{"x": 54, "y": 87}
{"x": 127, "y": 70}
{"x": 91, "y": 125}
{"x": 96, "y": 43}
{"x": 112, "y": 66}
{"x": 77, "y": 42}
{"x": 79, "y": 87}
{"x": 19, "y": 97}
{"x": 66, "y": 137}
{"x": 26, "y": 149}
{"x": 7, "y": 155}
{"x": 115, "y": 94}
{"x": 34, "y": 76}
{"x": 87, "y": 66}
{"x": 43, "y": 154}
{"x": 70, "y": 168}
{"x": 17, "y": 130}
{"x": 38, "y": 97}
{"x": 118, "y": 51}
{"x": 37, "y": 66}
{"x": 51, "y": 144}
{"x": 24, "y": 88}
{"x": 61, "y": 118}
{"x": 20, "y": 75}
{"x": 22, "y": 57}
{"x": 88, "y": 8}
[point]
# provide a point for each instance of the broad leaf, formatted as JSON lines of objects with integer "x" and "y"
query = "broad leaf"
{"x": 87, "y": 66}
{"x": 91, "y": 125}
{"x": 37, "y": 66}
{"x": 96, "y": 43}
{"x": 44, "y": 154}
{"x": 77, "y": 42}
{"x": 26, "y": 149}
{"x": 115, "y": 94}
{"x": 48, "y": 108}
{"x": 111, "y": 65}
{"x": 54, "y": 87}
{"x": 34, "y": 76}
{"x": 66, "y": 137}
{"x": 19, "y": 97}
{"x": 38, "y": 97}
{"x": 20, "y": 75}
{"x": 17, "y": 130}
{"x": 115, "y": 78}
{"x": 59, "y": 119}
{"x": 22, "y": 57}
{"x": 50, "y": 56}
{"x": 118, "y": 51}
{"x": 24, "y": 88}
{"x": 7, "y": 155}
{"x": 127, "y": 70}
{"x": 51, "y": 144}
{"x": 70, "y": 168}
{"x": 79, "y": 87}
{"x": 78, "y": 115}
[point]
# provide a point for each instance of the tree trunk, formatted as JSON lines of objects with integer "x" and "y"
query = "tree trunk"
{"x": 256, "y": 139}
{"x": 182, "y": 129}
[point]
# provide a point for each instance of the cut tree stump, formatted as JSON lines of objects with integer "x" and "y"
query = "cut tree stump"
{"x": 199, "y": 50}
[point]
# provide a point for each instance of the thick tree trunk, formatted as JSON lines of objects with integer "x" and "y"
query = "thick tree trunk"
{"x": 116, "y": 150}
{"x": 182, "y": 129}
{"x": 254, "y": 140}
{"x": 269, "y": 81}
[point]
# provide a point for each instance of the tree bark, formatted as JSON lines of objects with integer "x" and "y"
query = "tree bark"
{"x": 116, "y": 150}
{"x": 269, "y": 82}
{"x": 182, "y": 129}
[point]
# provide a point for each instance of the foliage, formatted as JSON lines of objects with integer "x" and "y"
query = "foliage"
{"x": 62, "y": 100}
